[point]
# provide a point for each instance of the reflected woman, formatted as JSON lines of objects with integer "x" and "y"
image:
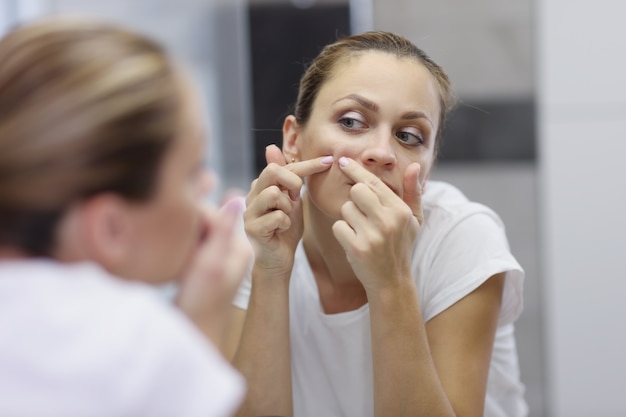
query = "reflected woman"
{"x": 375, "y": 291}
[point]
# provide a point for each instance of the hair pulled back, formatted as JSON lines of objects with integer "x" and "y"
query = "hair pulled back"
{"x": 85, "y": 108}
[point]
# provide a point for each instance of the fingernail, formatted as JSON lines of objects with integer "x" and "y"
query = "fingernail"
{"x": 327, "y": 160}
{"x": 234, "y": 206}
{"x": 343, "y": 161}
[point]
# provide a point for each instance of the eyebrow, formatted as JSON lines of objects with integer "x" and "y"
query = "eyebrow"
{"x": 361, "y": 100}
{"x": 374, "y": 107}
{"x": 416, "y": 115}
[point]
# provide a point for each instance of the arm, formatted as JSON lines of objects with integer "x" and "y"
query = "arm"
{"x": 233, "y": 333}
{"x": 273, "y": 222}
{"x": 437, "y": 369}
{"x": 461, "y": 342}
{"x": 264, "y": 354}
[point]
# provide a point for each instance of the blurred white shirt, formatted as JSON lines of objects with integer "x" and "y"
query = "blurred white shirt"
{"x": 75, "y": 341}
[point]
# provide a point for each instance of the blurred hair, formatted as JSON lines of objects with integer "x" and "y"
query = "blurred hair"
{"x": 85, "y": 107}
{"x": 321, "y": 70}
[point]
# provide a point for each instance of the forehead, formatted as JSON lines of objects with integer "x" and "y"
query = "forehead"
{"x": 379, "y": 74}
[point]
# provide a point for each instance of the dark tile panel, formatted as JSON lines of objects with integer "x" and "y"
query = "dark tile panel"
{"x": 284, "y": 38}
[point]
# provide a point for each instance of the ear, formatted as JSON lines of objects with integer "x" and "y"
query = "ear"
{"x": 291, "y": 133}
{"x": 108, "y": 231}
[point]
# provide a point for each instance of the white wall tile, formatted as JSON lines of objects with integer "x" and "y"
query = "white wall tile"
{"x": 584, "y": 230}
{"x": 584, "y": 44}
{"x": 484, "y": 45}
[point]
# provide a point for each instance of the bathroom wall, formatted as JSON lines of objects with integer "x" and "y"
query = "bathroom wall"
{"x": 582, "y": 132}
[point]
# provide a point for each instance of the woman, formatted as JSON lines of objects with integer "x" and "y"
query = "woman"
{"x": 101, "y": 140}
{"x": 374, "y": 292}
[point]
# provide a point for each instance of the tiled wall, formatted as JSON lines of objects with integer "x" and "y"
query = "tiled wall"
{"x": 485, "y": 45}
{"x": 583, "y": 189}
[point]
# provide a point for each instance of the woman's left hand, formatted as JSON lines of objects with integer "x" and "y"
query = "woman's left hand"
{"x": 379, "y": 228}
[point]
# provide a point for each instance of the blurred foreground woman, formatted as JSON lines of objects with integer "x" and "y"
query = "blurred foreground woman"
{"x": 101, "y": 145}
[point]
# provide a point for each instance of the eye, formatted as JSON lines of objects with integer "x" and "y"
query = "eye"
{"x": 409, "y": 138}
{"x": 351, "y": 121}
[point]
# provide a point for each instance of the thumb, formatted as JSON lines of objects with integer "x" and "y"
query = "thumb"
{"x": 412, "y": 194}
{"x": 273, "y": 154}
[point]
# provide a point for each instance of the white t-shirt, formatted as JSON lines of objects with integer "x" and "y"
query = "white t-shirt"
{"x": 76, "y": 342}
{"x": 460, "y": 245}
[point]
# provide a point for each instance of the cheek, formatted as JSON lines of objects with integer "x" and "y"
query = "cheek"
{"x": 183, "y": 233}
{"x": 424, "y": 159}
{"x": 180, "y": 225}
{"x": 188, "y": 214}
{"x": 425, "y": 168}
{"x": 324, "y": 140}
{"x": 328, "y": 191}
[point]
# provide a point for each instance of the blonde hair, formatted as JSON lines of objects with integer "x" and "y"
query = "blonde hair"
{"x": 85, "y": 107}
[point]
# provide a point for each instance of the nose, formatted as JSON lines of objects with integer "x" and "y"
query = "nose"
{"x": 380, "y": 152}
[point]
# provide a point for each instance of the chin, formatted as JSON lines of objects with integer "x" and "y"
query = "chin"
{"x": 330, "y": 206}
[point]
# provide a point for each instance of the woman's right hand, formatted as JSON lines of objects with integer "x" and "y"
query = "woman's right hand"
{"x": 273, "y": 217}
{"x": 215, "y": 271}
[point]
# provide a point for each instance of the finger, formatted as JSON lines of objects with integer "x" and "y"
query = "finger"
{"x": 273, "y": 154}
{"x": 223, "y": 223}
{"x": 412, "y": 190}
{"x": 359, "y": 174}
{"x": 239, "y": 260}
{"x": 219, "y": 230}
{"x": 289, "y": 177}
{"x": 266, "y": 226}
{"x": 344, "y": 234}
{"x": 270, "y": 199}
{"x": 365, "y": 199}
{"x": 310, "y": 166}
{"x": 277, "y": 176}
{"x": 353, "y": 216}
{"x": 219, "y": 263}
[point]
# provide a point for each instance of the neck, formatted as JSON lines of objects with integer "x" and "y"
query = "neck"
{"x": 339, "y": 288}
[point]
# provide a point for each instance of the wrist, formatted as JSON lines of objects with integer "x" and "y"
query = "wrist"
{"x": 392, "y": 293}
{"x": 272, "y": 275}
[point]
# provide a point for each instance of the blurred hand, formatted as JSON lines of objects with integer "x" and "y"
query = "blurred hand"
{"x": 222, "y": 258}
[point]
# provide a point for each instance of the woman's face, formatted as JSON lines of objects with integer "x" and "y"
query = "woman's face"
{"x": 168, "y": 227}
{"x": 381, "y": 111}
